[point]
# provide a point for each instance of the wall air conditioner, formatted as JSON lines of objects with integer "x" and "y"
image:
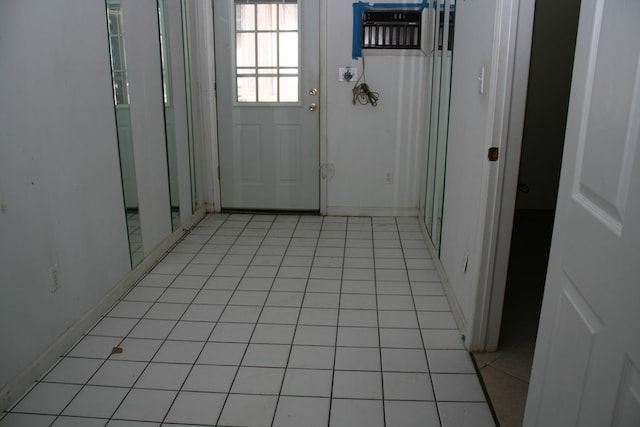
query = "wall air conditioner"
{"x": 391, "y": 29}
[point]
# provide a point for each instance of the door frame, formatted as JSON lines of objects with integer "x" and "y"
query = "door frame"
{"x": 512, "y": 52}
{"x": 203, "y": 105}
{"x": 202, "y": 21}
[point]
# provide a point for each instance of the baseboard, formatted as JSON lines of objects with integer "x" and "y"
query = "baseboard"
{"x": 13, "y": 390}
{"x": 354, "y": 211}
{"x": 448, "y": 290}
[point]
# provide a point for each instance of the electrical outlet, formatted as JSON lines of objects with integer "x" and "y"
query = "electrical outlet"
{"x": 54, "y": 278}
{"x": 347, "y": 74}
{"x": 388, "y": 178}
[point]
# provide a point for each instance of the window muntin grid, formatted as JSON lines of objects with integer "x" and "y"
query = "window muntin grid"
{"x": 267, "y": 56}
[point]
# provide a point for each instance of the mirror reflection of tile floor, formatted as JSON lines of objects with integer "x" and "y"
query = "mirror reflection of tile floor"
{"x": 135, "y": 236}
{"x": 262, "y": 320}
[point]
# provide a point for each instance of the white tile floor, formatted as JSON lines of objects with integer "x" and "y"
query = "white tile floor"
{"x": 256, "y": 320}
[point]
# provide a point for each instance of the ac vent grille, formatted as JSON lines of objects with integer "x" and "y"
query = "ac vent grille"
{"x": 391, "y": 29}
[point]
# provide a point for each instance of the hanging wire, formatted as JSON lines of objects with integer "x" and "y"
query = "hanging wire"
{"x": 361, "y": 92}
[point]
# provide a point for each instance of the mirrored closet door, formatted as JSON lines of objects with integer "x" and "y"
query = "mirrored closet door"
{"x": 146, "y": 47}
{"x": 441, "y": 23}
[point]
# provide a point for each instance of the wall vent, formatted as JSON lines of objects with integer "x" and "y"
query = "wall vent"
{"x": 391, "y": 29}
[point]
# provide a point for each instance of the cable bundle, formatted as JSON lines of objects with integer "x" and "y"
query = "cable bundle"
{"x": 361, "y": 92}
{"x": 364, "y": 95}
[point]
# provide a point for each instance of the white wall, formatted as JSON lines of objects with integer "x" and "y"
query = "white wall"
{"x": 487, "y": 36}
{"x": 366, "y": 143}
{"x": 60, "y": 188}
{"x": 466, "y": 173}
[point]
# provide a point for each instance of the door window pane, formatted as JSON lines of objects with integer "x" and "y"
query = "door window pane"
{"x": 246, "y": 89}
{"x": 245, "y": 50}
{"x": 289, "y": 49}
{"x": 267, "y": 17}
{"x": 245, "y": 17}
{"x": 267, "y": 89}
{"x": 267, "y": 50}
{"x": 289, "y": 89}
{"x": 288, "y": 17}
{"x": 267, "y": 47}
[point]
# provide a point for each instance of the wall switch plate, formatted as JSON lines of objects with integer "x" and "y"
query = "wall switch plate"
{"x": 347, "y": 74}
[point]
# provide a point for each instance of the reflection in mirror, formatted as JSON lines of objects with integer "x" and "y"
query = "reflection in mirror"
{"x": 169, "y": 115}
{"x": 186, "y": 42}
{"x": 442, "y": 19}
{"x": 123, "y": 123}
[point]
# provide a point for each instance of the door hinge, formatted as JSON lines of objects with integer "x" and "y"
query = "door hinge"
{"x": 493, "y": 154}
{"x": 218, "y": 173}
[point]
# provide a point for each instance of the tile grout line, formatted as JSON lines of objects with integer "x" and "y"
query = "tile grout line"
{"x": 142, "y": 316}
{"x": 219, "y": 317}
{"x": 424, "y": 347}
{"x": 259, "y": 314}
{"x": 375, "y": 287}
{"x": 104, "y": 361}
{"x": 335, "y": 346}
{"x": 148, "y": 363}
{"x": 295, "y": 328}
{"x": 73, "y": 375}
{"x": 244, "y": 353}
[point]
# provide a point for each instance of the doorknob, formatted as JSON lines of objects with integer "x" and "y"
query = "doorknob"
{"x": 313, "y": 91}
{"x": 313, "y": 106}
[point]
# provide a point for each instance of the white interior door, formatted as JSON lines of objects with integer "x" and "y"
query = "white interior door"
{"x": 587, "y": 363}
{"x": 267, "y": 87}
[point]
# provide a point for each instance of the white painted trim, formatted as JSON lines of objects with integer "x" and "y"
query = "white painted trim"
{"x": 207, "y": 22}
{"x": 509, "y": 184}
{"x": 488, "y": 190}
{"x": 15, "y": 388}
{"x": 448, "y": 289}
{"x": 512, "y": 46}
{"x": 324, "y": 21}
{"x": 211, "y": 208}
{"x": 205, "y": 127}
{"x": 214, "y": 161}
{"x": 354, "y": 211}
{"x": 188, "y": 76}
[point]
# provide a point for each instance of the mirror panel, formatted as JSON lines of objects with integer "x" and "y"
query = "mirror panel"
{"x": 115, "y": 27}
{"x": 442, "y": 21}
{"x": 176, "y": 112}
{"x": 169, "y": 116}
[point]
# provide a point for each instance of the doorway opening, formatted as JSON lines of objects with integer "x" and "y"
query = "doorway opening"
{"x": 506, "y": 372}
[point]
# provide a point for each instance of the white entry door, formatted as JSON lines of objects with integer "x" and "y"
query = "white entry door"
{"x": 586, "y": 368}
{"x": 267, "y": 86}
